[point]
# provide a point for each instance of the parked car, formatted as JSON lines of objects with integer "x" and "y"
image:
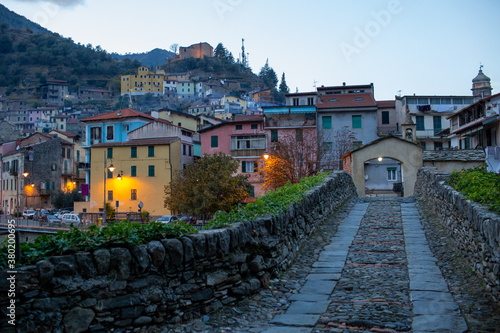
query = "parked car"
{"x": 168, "y": 219}
{"x": 29, "y": 214}
{"x": 70, "y": 219}
{"x": 53, "y": 219}
{"x": 39, "y": 213}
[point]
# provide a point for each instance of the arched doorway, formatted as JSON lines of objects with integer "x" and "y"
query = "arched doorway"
{"x": 406, "y": 154}
{"x": 383, "y": 177}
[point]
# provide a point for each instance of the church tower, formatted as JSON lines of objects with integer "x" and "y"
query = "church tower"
{"x": 481, "y": 86}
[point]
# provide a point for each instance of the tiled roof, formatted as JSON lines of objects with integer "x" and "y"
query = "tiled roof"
{"x": 386, "y": 104}
{"x": 345, "y": 101}
{"x": 137, "y": 142}
{"x": 124, "y": 113}
{"x": 454, "y": 155}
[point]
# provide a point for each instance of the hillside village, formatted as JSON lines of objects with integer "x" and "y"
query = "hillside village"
{"x": 65, "y": 149}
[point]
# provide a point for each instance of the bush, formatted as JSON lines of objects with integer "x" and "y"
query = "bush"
{"x": 123, "y": 233}
{"x": 273, "y": 202}
{"x": 478, "y": 185}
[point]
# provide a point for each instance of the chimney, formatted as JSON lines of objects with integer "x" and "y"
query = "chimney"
{"x": 343, "y": 83}
{"x": 119, "y": 113}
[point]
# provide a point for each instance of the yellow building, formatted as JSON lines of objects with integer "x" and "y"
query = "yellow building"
{"x": 143, "y": 167}
{"x": 232, "y": 99}
{"x": 145, "y": 81}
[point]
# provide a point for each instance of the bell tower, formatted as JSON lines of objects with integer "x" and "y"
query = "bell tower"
{"x": 409, "y": 128}
{"x": 481, "y": 85}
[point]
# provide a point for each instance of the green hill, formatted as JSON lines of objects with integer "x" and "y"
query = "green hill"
{"x": 17, "y": 21}
{"x": 151, "y": 59}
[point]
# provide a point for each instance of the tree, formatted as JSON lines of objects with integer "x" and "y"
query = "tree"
{"x": 207, "y": 186}
{"x": 268, "y": 75}
{"x": 335, "y": 145}
{"x": 61, "y": 199}
{"x": 294, "y": 156}
{"x": 220, "y": 51}
{"x": 283, "y": 86}
{"x": 174, "y": 47}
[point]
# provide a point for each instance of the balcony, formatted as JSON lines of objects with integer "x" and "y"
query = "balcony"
{"x": 247, "y": 152}
{"x": 428, "y": 133}
{"x": 387, "y": 130}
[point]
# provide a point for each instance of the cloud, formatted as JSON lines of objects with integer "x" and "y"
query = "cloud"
{"x": 61, "y": 3}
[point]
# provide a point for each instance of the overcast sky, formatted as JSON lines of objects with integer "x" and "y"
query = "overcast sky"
{"x": 413, "y": 46}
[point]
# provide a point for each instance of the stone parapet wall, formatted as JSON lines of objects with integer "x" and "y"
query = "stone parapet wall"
{"x": 474, "y": 229}
{"x": 168, "y": 280}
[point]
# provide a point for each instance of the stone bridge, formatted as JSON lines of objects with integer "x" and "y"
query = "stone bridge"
{"x": 374, "y": 271}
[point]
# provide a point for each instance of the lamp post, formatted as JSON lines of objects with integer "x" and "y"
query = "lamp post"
{"x": 111, "y": 168}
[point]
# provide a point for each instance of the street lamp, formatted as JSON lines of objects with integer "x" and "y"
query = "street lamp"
{"x": 111, "y": 168}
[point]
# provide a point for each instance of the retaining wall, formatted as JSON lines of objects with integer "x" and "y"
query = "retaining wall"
{"x": 475, "y": 229}
{"x": 171, "y": 280}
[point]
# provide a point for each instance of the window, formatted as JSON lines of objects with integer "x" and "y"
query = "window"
{"x": 385, "y": 117}
{"x": 133, "y": 194}
{"x": 63, "y": 152}
{"x": 438, "y": 145}
{"x": 151, "y": 151}
{"x": 327, "y": 122}
{"x": 248, "y": 142}
{"x": 446, "y": 100}
{"x": 133, "y": 152}
{"x": 299, "y": 135}
{"x": 239, "y": 127}
{"x": 110, "y": 195}
{"x": 151, "y": 170}
{"x": 435, "y": 100}
{"x": 249, "y": 166}
{"x": 420, "y": 123}
{"x": 437, "y": 124}
{"x": 295, "y": 102}
{"x": 78, "y": 156}
{"x": 110, "y": 153}
{"x": 189, "y": 150}
{"x": 110, "y": 174}
{"x": 125, "y": 128}
{"x": 109, "y": 133}
{"x": 184, "y": 150}
{"x": 274, "y": 135}
{"x": 358, "y": 99}
{"x": 412, "y": 100}
{"x": 68, "y": 153}
{"x": 53, "y": 167}
{"x": 310, "y": 101}
{"x": 133, "y": 171}
{"x": 423, "y": 101}
{"x": 253, "y": 126}
{"x": 356, "y": 122}
{"x": 214, "y": 141}
{"x": 391, "y": 174}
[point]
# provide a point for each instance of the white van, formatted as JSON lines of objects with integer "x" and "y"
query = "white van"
{"x": 70, "y": 219}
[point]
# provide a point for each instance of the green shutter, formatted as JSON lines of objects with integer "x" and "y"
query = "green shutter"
{"x": 151, "y": 151}
{"x": 274, "y": 135}
{"x": 327, "y": 122}
{"x": 356, "y": 122}
{"x": 385, "y": 117}
{"x": 110, "y": 152}
{"x": 420, "y": 123}
{"x": 215, "y": 141}
{"x": 133, "y": 152}
{"x": 133, "y": 171}
{"x": 151, "y": 171}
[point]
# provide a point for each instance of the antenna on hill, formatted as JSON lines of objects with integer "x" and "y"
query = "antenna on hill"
{"x": 314, "y": 83}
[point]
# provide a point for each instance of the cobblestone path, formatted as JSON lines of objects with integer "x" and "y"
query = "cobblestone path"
{"x": 370, "y": 269}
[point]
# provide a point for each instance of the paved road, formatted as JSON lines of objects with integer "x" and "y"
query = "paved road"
{"x": 377, "y": 274}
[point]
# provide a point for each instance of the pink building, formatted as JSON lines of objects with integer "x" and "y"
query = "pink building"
{"x": 244, "y": 139}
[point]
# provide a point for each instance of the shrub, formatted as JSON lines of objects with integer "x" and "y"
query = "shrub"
{"x": 273, "y": 202}
{"x": 478, "y": 185}
{"x": 74, "y": 240}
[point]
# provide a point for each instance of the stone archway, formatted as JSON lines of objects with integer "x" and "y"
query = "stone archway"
{"x": 383, "y": 177}
{"x": 408, "y": 153}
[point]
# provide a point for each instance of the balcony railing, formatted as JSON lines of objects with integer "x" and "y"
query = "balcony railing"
{"x": 428, "y": 133}
{"x": 247, "y": 152}
{"x": 386, "y": 130}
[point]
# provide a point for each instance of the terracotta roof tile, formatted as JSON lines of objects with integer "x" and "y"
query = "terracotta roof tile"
{"x": 125, "y": 113}
{"x": 345, "y": 101}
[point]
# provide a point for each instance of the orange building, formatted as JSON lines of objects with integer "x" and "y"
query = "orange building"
{"x": 199, "y": 51}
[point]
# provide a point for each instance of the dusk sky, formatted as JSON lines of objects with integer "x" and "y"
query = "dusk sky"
{"x": 401, "y": 46}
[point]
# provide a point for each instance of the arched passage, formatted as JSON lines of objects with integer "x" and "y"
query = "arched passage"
{"x": 407, "y": 154}
{"x": 383, "y": 177}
